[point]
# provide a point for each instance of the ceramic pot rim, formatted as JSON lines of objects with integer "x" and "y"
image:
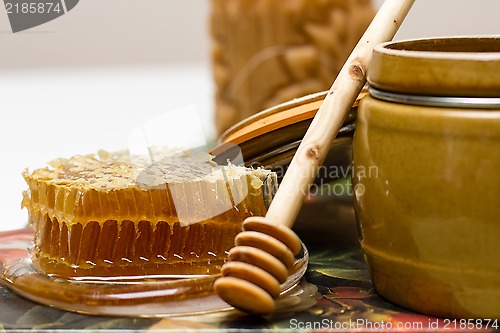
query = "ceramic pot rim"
{"x": 449, "y": 66}
{"x": 386, "y": 48}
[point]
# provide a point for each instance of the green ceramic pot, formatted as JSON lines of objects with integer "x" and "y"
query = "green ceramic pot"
{"x": 427, "y": 175}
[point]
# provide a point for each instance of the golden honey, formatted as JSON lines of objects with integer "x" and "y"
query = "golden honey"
{"x": 105, "y": 217}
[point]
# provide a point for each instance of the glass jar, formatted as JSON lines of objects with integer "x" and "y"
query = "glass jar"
{"x": 266, "y": 52}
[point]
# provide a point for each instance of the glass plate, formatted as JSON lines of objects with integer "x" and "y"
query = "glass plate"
{"x": 131, "y": 296}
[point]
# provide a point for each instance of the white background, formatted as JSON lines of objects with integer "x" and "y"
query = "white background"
{"x": 83, "y": 81}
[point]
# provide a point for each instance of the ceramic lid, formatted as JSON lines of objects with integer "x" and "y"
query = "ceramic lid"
{"x": 454, "y": 66}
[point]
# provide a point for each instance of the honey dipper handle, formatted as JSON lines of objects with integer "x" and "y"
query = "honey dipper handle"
{"x": 330, "y": 116}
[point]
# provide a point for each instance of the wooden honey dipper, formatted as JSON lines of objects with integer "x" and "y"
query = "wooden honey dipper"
{"x": 265, "y": 250}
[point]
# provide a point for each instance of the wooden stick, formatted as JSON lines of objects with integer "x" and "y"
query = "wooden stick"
{"x": 254, "y": 290}
{"x": 330, "y": 116}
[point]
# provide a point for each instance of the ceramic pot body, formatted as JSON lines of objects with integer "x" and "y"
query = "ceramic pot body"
{"x": 426, "y": 186}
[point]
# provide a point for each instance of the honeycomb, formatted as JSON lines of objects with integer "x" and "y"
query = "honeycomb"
{"x": 106, "y": 217}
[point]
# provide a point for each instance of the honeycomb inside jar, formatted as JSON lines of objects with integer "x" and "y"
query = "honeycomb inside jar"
{"x": 95, "y": 218}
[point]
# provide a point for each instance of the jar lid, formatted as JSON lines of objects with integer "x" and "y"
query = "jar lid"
{"x": 271, "y": 137}
{"x": 452, "y": 66}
